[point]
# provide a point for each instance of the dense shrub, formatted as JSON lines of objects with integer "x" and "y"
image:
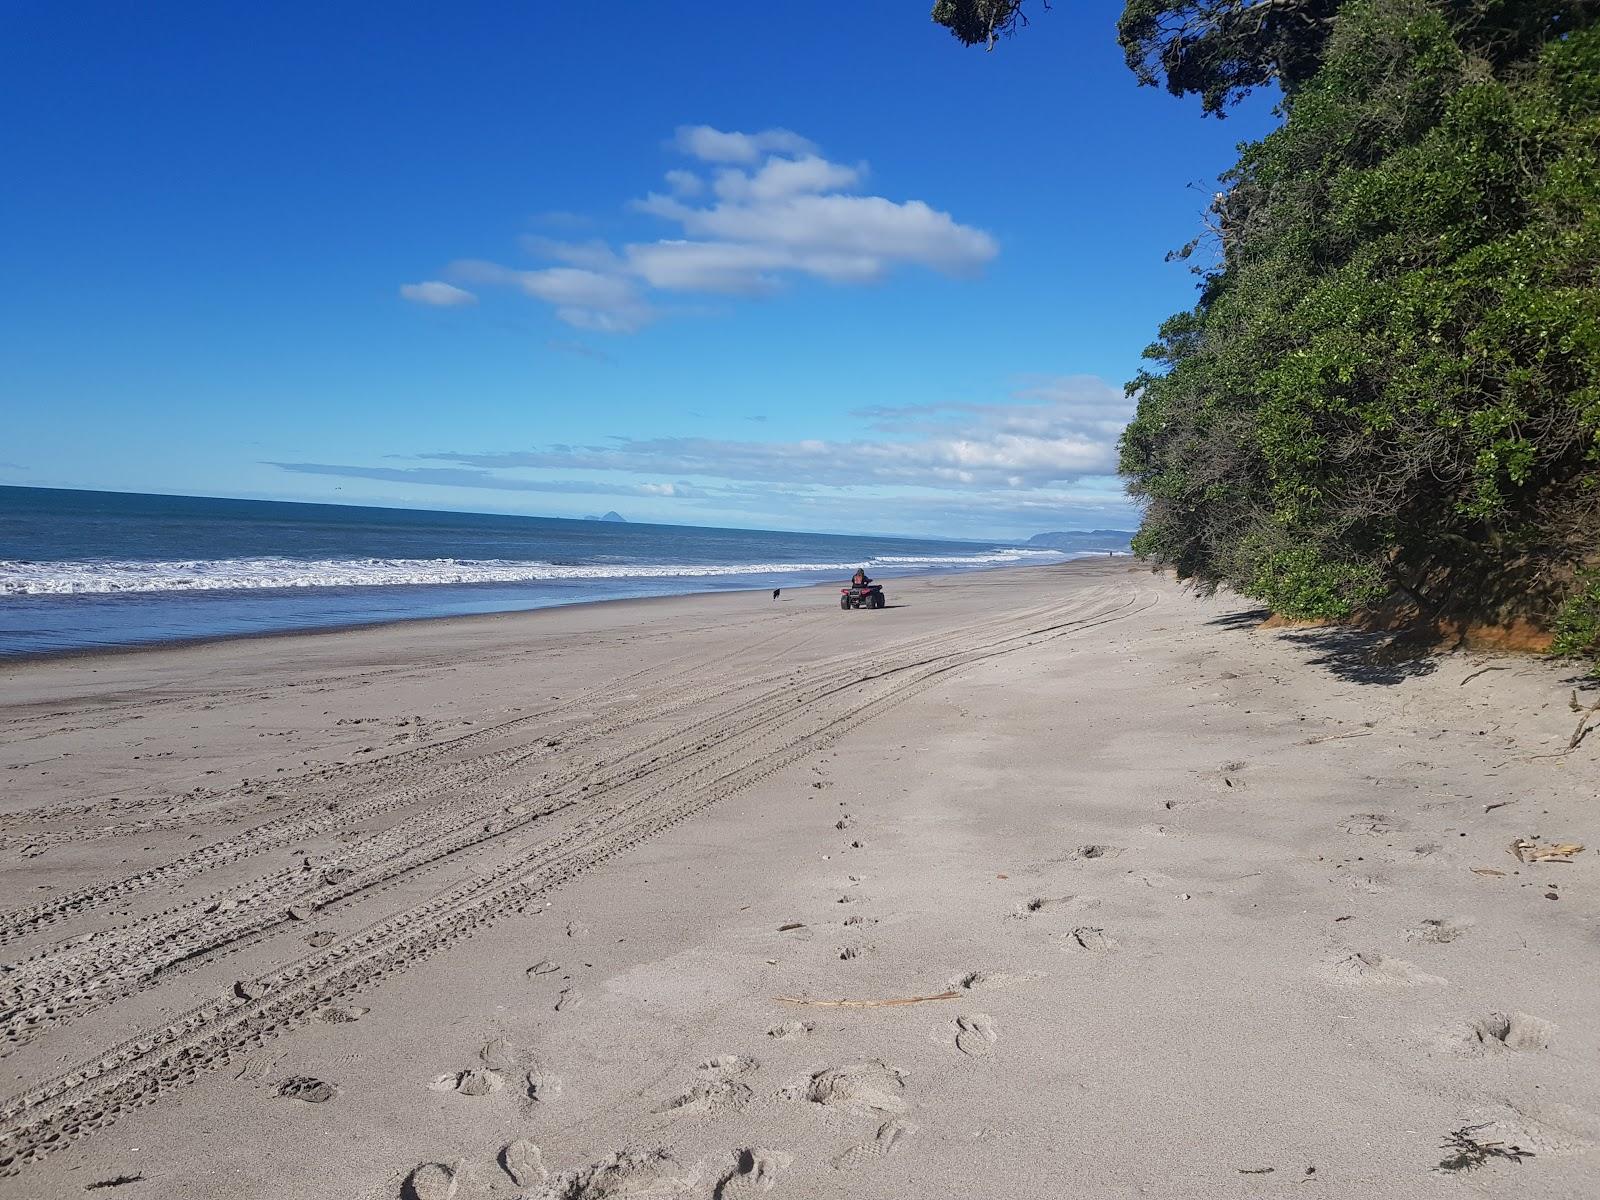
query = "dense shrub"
{"x": 1389, "y": 390}
{"x": 1578, "y": 623}
{"x": 1391, "y": 383}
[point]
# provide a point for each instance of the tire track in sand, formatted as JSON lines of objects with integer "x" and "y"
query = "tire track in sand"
{"x": 79, "y": 1101}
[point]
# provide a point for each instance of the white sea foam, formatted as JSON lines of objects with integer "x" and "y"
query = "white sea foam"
{"x": 106, "y": 576}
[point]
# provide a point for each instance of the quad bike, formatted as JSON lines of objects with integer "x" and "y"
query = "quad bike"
{"x": 868, "y": 595}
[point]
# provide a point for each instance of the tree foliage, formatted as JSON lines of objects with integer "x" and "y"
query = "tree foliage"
{"x": 975, "y": 21}
{"x": 1391, "y": 384}
{"x": 1220, "y": 50}
{"x": 1216, "y": 49}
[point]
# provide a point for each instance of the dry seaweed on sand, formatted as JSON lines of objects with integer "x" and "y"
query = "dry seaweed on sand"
{"x": 1528, "y": 850}
{"x": 1468, "y": 1153}
{"x": 891, "y": 1003}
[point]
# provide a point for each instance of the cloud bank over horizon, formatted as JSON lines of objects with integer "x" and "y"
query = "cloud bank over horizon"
{"x": 1044, "y": 458}
{"x": 752, "y": 211}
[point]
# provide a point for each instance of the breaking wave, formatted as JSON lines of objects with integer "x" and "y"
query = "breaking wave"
{"x": 101, "y": 577}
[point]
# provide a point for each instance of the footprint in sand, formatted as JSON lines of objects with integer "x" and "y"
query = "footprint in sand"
{"x": 543, "y": 1087}
{"x": 255, "y": 1066}
{"x": 735, "y": 1063}
{"x": 1369, "y": 969}
{"x": 754, "y": 1170}
{"x": 1509, "y": 1031}
{"x": 340, "y": 1014}
{"x": 499, "y": 1054}
{"x": 975, "y": 1035}
{"x": 654, "y": 1174}
{"x": 304, "y": 1087}
{"x": 431, "y": 1181}
{"x": 1093, "y": 850}
{"x": 1375, "y": 824}
{"x": 524, "y": 1162}
{"x": 1048, "y": 904}
{"x": 474, "y": 1082}
{"x": 790, "y": 1030}
{"x": 1366, "y": 883}
{"x": 1440, "y": 930}
{"x": 890, "y": 1134}
{"x": 865, "y": 1087}
{"x": 718, "y": 1089}
{"x": 478, "y": 1082}
{"x": 977, "y": 981}
{"x": 1090, "y": 938}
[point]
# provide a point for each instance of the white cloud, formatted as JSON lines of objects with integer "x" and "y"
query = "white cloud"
{"x": 462, "y": 477}
{"x": 823, "y": 231}
{"x": 583, "y": 298}
{"x": 593, "y": 255}
{"x": 715, "y": 145}
{"x": 1061, "y": 431}
{"x": 784, "y": 177}
{"x": 707, "y": 266}
{"x": 685, "y": 183}
{"x": 436, "y": 293}
{"x": 777, "y": 210}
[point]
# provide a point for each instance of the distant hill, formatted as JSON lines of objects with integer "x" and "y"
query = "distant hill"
{"x": 1082, "y": 539}
{"x": 613, "y": 515}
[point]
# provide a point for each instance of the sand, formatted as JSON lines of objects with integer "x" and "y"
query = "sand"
{"x": 564, "y": 904}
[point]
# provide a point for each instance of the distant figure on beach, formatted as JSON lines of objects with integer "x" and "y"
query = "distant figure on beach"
{"x": 775, "y": 592}
{"x": 860, "y": 578}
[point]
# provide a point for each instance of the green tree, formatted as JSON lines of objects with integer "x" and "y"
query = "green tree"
{"x": 1391, "y": 383}
{"x": 1389, "y": 388}
{"x": 1216, "y": 49}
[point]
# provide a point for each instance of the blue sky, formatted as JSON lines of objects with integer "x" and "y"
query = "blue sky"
{"x": 725, "y": 263}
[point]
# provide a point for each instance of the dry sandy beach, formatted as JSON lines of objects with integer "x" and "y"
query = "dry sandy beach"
{"x": 563, "y": 902}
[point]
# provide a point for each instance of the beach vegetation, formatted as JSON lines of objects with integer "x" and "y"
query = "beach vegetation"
{"x": 1388, "y": 390}
{"x": 1577, "y": 629}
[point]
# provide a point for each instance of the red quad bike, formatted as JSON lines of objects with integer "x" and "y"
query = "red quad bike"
{"x": 867, "y": 596}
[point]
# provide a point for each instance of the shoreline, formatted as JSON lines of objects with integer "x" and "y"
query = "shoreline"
{"x": 119, "y": 649}
{"x": 1182, "y": 906}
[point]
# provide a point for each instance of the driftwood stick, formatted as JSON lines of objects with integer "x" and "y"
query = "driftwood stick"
{"x": 1583, "y": 728}
{"x": 866, "y": 1003}
{"x": 1475, "y": 674}
{"x": 1334, "y": 737}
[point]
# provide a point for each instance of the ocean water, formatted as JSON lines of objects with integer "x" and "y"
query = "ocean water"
{"x": 80, "y": 570}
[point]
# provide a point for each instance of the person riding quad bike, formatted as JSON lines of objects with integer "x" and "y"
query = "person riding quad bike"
{"x": 862, "y": 592}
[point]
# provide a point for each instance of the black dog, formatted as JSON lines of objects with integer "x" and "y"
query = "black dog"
{"x": 775, "y": 592}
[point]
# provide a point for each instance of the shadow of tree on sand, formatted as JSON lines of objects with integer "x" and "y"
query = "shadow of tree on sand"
{"x": 1247, "y": 618}
{"x": 1362, "y": 656}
